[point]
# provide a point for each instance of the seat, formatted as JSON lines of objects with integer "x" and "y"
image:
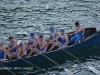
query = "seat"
{"x": 89, "y": 31}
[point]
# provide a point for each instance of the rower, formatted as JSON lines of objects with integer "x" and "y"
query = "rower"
{"x": 2, "y": 52}
{"x": 32, "y": 44}
{"x": 33, "y": 49}
{"x": 53, "y": 35}
{"x": 63, "y": 40}
{"x": 11, "y": 43}
{"x": 31, "y": 41}
{"x": 20, "y": 48}
{"x": 12, "y": 48}
{"x": 78, "y": 34}
{"x": 42, "y": 44}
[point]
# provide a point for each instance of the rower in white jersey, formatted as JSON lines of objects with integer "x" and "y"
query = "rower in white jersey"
{"x": 31, "y": 41}
{"x": 53, "y": 35}
{"x": 63, "y": 40}
{"x": 42, "y": 44}
{"x": 30, "y": 46}
{"x": 12, "y": 49}
{"x": 20, "y": 49}
{"x": 2, "y": 52}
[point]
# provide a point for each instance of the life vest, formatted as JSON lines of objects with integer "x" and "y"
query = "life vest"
{"x": 2, "y": 54}
{"x": 11, "y": 45}
{"x": 80, "y": 33}
{"x": 63, "y": 39}
{"x": 41, "y": 43}
{"x": 52, "y": 36}
{"x": 32, "y": 40}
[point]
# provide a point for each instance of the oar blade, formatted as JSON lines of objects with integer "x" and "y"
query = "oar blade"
{"x": 68, "y": 72}
{"x": 93, "y": 70}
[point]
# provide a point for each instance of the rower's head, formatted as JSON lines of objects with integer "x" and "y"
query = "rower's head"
{"x": 51, "y": 29}
{"x": 62, "y": 31}
{"x": 77, "y": 24}
{"x": 32, "y": 35}
{"x": 40, "y": 37}
{"x": 11, "y": 39}
{"x": 1, "y": 44}
{"x": 19, "y": 43}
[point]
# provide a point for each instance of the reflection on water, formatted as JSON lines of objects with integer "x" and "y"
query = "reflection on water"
{"x": 20, "y": 17}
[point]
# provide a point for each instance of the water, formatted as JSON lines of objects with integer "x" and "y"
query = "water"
{"x": 20, "y": 17}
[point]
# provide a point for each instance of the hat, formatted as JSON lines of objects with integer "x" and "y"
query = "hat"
{"x": 51, "y": 28}
{"x": 62, "y": 30}
{"x": 19, "y": 41}
{"x": 40, "y": 36}
{"x": 1, "y": 43}
{"x": 31, "y": 34}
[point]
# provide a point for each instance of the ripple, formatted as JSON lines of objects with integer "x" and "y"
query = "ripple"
{"x": 20, "y": 17}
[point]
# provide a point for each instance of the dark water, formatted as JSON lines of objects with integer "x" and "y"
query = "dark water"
{"x": 20, "y": 17}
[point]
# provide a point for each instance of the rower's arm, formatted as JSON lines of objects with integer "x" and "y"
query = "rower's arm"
{"x": 81, "y": 29}
{"x": 28, "y": 41}
{"x": 35, "y": 43}
{"x": 8, "y": 45}
{"x": 55, "y": 35}
{"x": 4, "y": 49}
{"x": 66, "y": 39}
{"x": 24, "y": 48}
{"x": 43, "y": 46}
{"x": 12, "y": 48}
{"x": 56, "y": 38}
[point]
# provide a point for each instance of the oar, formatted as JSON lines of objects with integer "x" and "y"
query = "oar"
{"x": 32, "y": 64}
{"x": 68, "y": 71}
{"x": 7, "y": 69}
{"x": 80, "y": 61}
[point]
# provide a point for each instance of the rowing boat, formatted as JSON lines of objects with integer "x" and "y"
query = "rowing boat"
{"x": 91, "y": 38}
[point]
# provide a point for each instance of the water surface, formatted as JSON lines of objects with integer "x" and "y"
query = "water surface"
{"x": 19, "y": 17}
